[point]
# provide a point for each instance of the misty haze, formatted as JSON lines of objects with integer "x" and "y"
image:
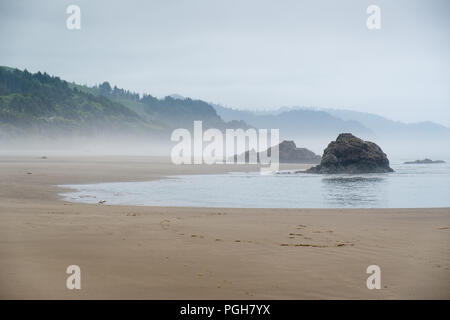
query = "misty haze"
{"x": 230, "y": 150}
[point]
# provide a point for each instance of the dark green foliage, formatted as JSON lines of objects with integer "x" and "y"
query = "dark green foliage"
{"x": 168, "y": 112}
{"x": 177, "y": 112}
{"x": 40, "y": 101}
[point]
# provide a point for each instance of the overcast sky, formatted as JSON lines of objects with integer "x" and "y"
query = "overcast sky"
{"x": 247, "y": 54}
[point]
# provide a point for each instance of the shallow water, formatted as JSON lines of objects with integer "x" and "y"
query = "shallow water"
{"x": 410, "y": 186}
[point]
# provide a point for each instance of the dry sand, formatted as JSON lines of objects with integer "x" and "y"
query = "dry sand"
{"x": 128, "y": 252}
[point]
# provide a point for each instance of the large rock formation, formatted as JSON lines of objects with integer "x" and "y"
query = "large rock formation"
{"x": 349, "y": 154}
{"x": 288, "y": 153}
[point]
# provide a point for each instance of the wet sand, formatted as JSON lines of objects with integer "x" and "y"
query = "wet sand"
{"x": 129, "y": 252}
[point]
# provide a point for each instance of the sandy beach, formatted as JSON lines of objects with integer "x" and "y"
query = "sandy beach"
{"x": 130, "y": 252}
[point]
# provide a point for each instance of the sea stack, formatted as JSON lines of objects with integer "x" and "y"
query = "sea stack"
{"x": 289, "y": 153}
{"x": 350, "y": 154}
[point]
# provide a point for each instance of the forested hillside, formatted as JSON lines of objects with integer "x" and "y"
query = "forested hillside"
{"x": 45, "y": 104}
{"x": 169, "y": 112}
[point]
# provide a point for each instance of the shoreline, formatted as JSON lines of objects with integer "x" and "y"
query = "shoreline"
{"x": 143, "y": 252}
{"x": 176, "y": 195}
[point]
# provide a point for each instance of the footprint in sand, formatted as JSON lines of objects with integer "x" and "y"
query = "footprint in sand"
{"x": 165, "y": 224}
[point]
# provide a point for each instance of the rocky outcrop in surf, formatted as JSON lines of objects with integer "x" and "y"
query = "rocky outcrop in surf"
{"x": 350, "y": 154}
{"x": 288, "y": 153}
{"x": 424, "y": 161}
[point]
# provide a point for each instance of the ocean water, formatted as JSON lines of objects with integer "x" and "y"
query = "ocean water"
{"x": 410, "y": 186}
